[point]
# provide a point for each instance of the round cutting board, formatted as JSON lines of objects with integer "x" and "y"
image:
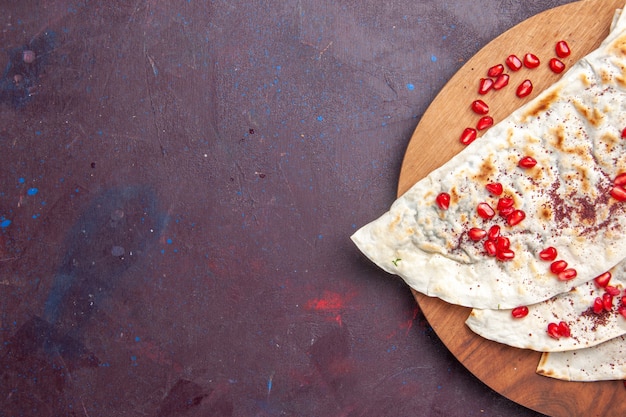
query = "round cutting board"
{"x": 509, "y": 371}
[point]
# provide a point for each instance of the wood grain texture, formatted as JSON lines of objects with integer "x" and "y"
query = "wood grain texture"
{"x": 509, "y": 371}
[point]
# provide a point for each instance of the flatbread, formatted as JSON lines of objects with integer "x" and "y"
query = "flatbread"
{"x": 573, "y": 130}
{"x": 604, "y": 362}
{"x": 574, "y": 308}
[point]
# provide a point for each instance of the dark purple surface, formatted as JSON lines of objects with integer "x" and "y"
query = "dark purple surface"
{"x": 179, "y": 181}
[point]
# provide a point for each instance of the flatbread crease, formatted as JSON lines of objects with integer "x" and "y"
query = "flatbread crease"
{"x": 573, "y": 131}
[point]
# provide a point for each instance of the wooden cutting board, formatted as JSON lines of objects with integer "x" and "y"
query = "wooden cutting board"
{"x": 509, "y": 371}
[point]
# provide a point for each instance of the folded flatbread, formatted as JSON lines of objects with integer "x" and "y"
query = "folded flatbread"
{"x": 573, "y": 131}
{"x": 604, "y": 362}
{"x": 588, "y": 328}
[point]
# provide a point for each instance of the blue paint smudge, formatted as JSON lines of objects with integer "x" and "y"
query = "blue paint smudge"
{"x": 320, "y": 118}
{"x": 410, "y": 87}
{"x": 5, "y": 223}
{"x": 32, "y": 191}
{"x": 433, "y": 58}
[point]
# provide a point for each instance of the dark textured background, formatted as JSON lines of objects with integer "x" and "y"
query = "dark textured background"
{"x": 178, "y": 184}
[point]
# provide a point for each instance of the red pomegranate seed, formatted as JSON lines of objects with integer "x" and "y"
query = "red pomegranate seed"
{"x": 531, "y": 61}
{"x": 519, "y": 312}
{"x": 624, "y": 133}
{"x": 506, "y": 212}
{"x": 476, "y": 234}
{"x": 515, "y": 217}
{"x": 622, "y": 310}
{"x": 548, "y": 254}
{"x": 494, "y": 188}
{"x": 607, "y": 301}
{"x": 501, "y": 81}
{"x": 494, "y": 232}
{"x": 485, "y": 211}
{"x": 602, "y": 280}
{"x": 468, "y": 136}
{"x": 484, "y": 123}
{"x": 564, "y": 329}
{"x": 556, "y": 65}
{"x": 527, "y": 162}
{"x": 505, "y": 255}
{"x": 567, "y": 274}
{"x": 598, "y": 305}
{"x": 553, "y": 331}
{"x": 618, "y": 193}
{"x": 495, "y": 70}
{"x": 502, "y": 243}
{"x": 505, "y": 202}
{"x": 443, "y": 201}
{"x": 513, "y": 62}
{"x": 524, "y": 89}
{"x": 485, "y": 85}
{"x": 620, "y": 179}
{"x": 480, "y": 107}
{"x": 490, "y": 247}
{"x": 557, "y": 267}
{"x": 562, "y": 49}
{"x": 612, "y": 290}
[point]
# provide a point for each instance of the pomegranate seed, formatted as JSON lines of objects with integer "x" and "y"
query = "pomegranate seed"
{"x": 476, "y": 234}
{"x": 598, "y": 305}
{"x": 618, "y": 193}
{"x": 622, "y": 310}
{"x": 494, "y": 188}
{"x": 505, "y": 202}
{"x": 531, "y": 61}
{"x": 443, "y": 201}
{"x": 506, "y": 212}
{"x": 519, "y": 312}
{"x": 494, "y": 232}
{"x": 502, "y": 243}
{"x": 524, "y": 89}
{"x": 607, "y": 301}
{"x": 513, "y": 62}
{"x": 623, "y": 300}
{"x": 505, "y": 255}
{"x": 485, "y": 85}
{"x": 515, "y": 217}
{"x": 620, "y": 179}
{"x": 468, "y": 136}
{"x": 562, "y": 49}
{"x": 553, "y": 331}
{"x": 556, "y": 65}
{"x": 501, "y": 81}
{"x": 485, "y": 211}
{"x": 624, "y": 133}
{"x": 602, "y": 280}
{"x": 548, "y": 254}
{"x": 564, "y": 329}
{"x": 557, "y": 267}
{"x": 495, "y": 70}
{"x": 612, "y": 290}
{"x": 527, "y": 162}
{"x": 484, "y": 122}
{"x": 567, "y": 274}
{"x": 480, "y": 107}
{"x": 490, "y": 247}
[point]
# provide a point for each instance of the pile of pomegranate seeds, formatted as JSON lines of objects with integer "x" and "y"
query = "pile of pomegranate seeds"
{"x": 618, "y": 191}
{"x": 557, "y": 267}
{"x": 559, "y": 330}
{"x": 606, "y": 301}
{"x": 498, "y": 79}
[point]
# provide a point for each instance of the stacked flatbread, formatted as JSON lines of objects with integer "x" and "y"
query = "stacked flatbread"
{"x": 573, "y": 130}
